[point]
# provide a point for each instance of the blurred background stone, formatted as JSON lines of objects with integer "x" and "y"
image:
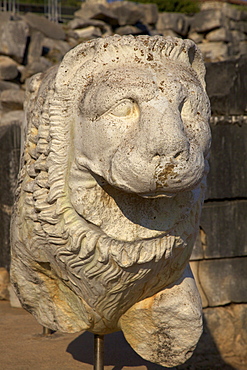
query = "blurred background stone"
{"x": 4, "y": 283}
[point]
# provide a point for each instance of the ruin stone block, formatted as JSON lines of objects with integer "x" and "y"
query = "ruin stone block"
{"x": 239, "y": 26}
{"x": 12, "y": 99}
{"x": 9, "y": 165}
{"x": 196, "y": 37}
{"x": 35, "y": 47}
{"x": 218, "y": 35}
{"x": 13, "y": 39}
{"x": 228, "y": 328}
{"x": 8, "y": 68}
{"x": 97, "y": 11}
{"x": 208, "y": 20}
{"x": 227, "y": 98}
{"x": 224, "y": 280}
{"x": 128, "y": 30}
{"x": 6, "y": 85}
{"x": 127, "y": 12}
{"x": 88, "y": 32}
{"x": 42, "y": 24}
{"x": 238, "y": 36}
{"x": 149, "y": 13}
{"x": 224, "y": 224}
{"x": 214, "y": 51}
{"x": 177, "y": 22}
{"x": 228, "y": 168}
{"x": 78, "y": 23}
{"x": 243, "y": 48}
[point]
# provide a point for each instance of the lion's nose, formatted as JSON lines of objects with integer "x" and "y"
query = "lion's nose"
{"x": 183, "y": 152}
{"x": 175, "y": 150}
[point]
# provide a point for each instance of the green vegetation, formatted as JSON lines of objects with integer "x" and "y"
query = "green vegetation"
{"x": 242, "y": 8}
{"x": 179, "y": 6}
{"x": 33, "y": 2}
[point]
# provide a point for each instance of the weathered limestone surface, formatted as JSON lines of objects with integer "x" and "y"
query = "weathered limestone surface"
{"x": 110, "y": 192}
{"x": 162, "y": 323}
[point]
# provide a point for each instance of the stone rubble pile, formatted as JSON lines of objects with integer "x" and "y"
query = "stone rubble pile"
{"x": 31, "y": 44}
{"x": 220, "y": 30}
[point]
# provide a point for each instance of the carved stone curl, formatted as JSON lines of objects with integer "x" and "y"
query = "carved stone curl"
{"x": 110, "y": 192}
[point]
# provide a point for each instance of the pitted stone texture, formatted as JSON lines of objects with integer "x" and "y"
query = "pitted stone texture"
{"x": 164, "y": 321}
{"x": 112, "y": 182}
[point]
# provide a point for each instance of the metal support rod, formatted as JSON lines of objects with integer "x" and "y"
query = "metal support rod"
{"x": 46, "y": 331}
{"x": 98, "y": 352}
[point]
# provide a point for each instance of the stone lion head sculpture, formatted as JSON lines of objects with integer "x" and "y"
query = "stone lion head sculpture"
{"x": 110, "y": 191}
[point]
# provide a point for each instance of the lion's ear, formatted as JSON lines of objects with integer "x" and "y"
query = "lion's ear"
{"x": 196, "y": 61}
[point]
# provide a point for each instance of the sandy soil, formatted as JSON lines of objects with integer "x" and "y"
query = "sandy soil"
{"x": 23, "y": 347}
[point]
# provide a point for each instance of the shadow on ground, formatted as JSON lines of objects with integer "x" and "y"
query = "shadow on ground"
{"x": 118, "y": 353}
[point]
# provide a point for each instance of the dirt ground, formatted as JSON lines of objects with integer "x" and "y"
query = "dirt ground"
{"x": 23, "y": 347}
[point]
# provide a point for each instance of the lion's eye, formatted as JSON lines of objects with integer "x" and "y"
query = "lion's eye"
{"x": 125, "y": 108}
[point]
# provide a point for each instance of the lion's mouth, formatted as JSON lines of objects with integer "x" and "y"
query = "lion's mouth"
{"x": 157, "y": 180}
{"x": 157, "y": 194}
